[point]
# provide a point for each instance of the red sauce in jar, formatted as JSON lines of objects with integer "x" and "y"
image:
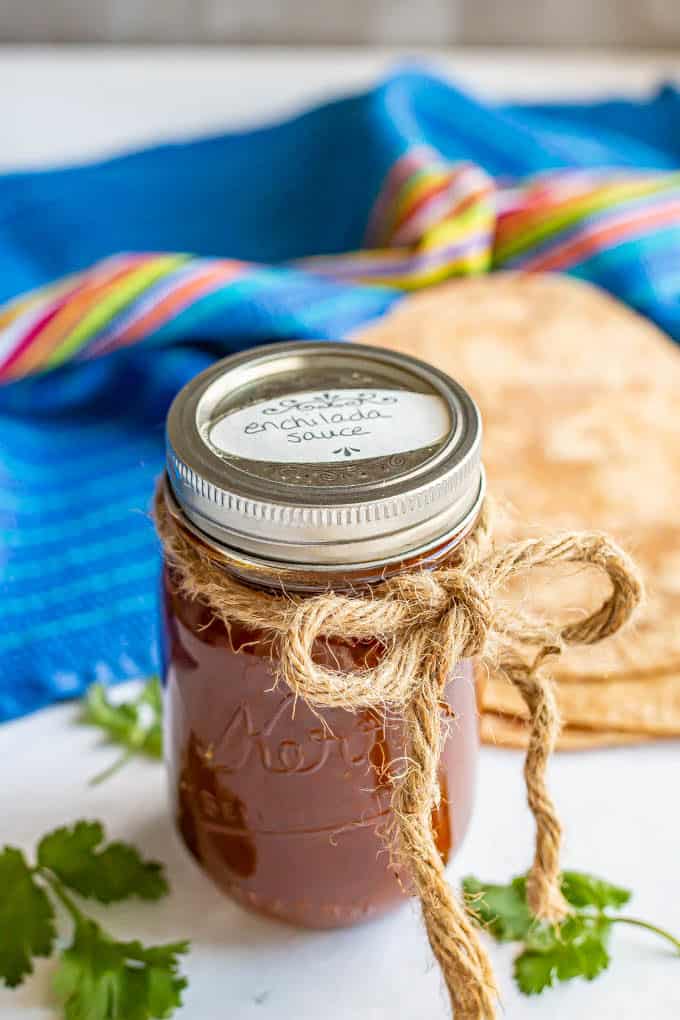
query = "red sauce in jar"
{"x": 286, "y": 814}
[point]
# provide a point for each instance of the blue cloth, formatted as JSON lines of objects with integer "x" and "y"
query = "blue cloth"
{"x": 80, "y": 447}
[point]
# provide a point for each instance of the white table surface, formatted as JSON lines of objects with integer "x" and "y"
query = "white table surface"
{"x": 62, "y": 103}
{"x": 620, "y": 807}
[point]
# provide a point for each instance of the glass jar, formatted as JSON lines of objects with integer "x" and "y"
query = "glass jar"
{"x": 301, "y": 468}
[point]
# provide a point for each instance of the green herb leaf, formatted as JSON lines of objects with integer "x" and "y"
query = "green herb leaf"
{"x": 135, "y": 725}
{"x": 26, "y": 918}
{"x": 502, "y": 909}
{"x": 101, "y": 979}
{"x": 114, "y": 872}
{"x": 583, "y": 890}
{"x": 578, "y": 948}
{"x": 127, "y": 722}
{"x": 534, "y": 972}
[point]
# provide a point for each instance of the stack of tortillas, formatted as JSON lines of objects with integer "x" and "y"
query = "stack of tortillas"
{"x": 580, "y": 399}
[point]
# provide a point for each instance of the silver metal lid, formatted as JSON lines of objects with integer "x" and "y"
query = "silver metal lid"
{"x": 320, "y": 454}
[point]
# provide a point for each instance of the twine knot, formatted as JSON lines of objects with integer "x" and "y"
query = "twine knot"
{"x": 425, "y": 621}
{"x": 470, "y": 611}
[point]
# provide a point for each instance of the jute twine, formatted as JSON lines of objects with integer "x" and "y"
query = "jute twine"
{"x": 427, "y": 620}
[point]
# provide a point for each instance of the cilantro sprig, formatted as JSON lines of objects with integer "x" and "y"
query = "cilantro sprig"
{"x": 98, "y": 977}
{"x": 579, "y": 947}
{"x": 136, "y": 725}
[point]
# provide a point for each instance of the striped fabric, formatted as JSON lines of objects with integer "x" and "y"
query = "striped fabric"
{"x": 116, "y": 303}
{"x": 123, "y": 279}
{"x": 430, "y": 222}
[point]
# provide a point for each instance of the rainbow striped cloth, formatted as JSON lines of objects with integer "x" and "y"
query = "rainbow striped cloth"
{"x": 165, "y": 259}
{"x": 430, "y": 222}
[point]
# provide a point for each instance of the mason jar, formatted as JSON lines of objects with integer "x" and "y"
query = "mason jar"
{"x": 299, "y": 468}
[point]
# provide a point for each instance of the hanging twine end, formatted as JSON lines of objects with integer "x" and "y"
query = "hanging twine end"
{"x": 545, "y": 899}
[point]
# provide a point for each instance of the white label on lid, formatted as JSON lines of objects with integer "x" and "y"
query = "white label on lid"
{"x": 324, "y": 427}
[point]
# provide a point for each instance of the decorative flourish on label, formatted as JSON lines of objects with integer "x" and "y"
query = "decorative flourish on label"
{"x": 331, "y": 401}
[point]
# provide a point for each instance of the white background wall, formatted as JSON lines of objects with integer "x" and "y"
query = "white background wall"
{"x": 633, "y": 23}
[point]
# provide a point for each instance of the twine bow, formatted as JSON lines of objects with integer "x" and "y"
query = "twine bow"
{"x": 427, "y": 621}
